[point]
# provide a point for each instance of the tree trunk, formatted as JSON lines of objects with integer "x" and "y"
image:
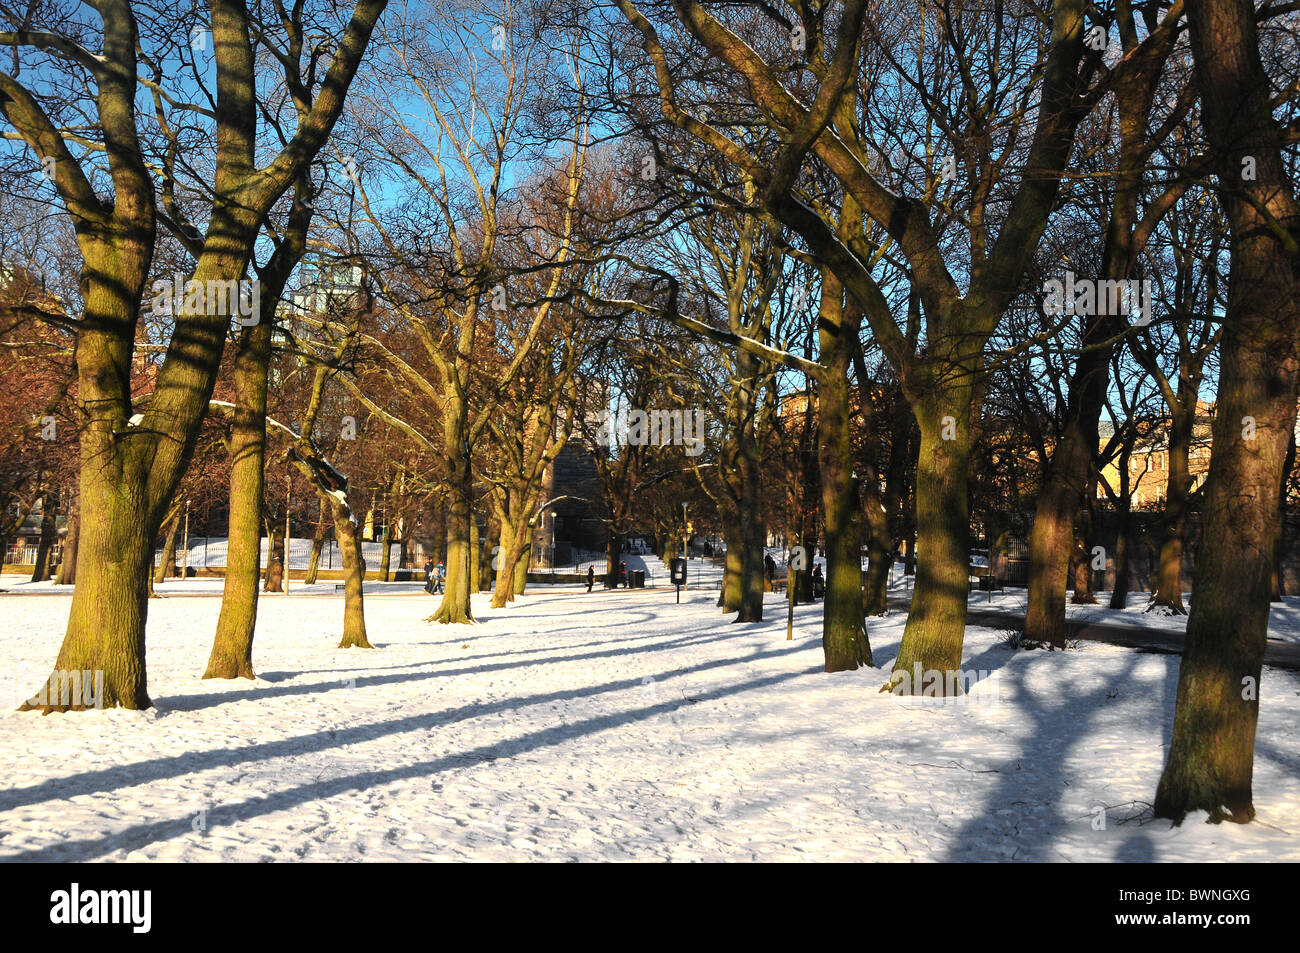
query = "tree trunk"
{"x": 106, "y": 626}
{"x": 902, "y": 463}
{"x": 455, "y": 607}
{"x": 1051, "y": 540}
{"x": 1279, "y": 538}
{"x": 525, "y": 560}
{"x": 1169, "y": 576}
{"x": 741, "y": 459}
{"x": 1119, "y": 594}
{"x": 167, "y": 562}
{"x": 275, "y": 567}
{"x": 875, "y": 510}
{"x": 1083, "y": 534}
{"x": 232, "y": 645}
{"x": 875, "y": 598}
{"x": 1211, "y": 754}
{"x": 508, "y": 555}
{"x": 614, "y": 549}
{"x": 317, "y": 547}
{"x": 49, "y": 532}
{"x": 810, "y": 506}
{"x": 120, "y": 492}
{"x": 354, "y": 574}
{"x": 1072, "y": 468}
{"x": 68, "y": 563}
{"x": 386, "y": 549}
{"x": 936, "y": 624}
{"x": 733, "y": 567}
{"x": 750, "y": 604}
{"x": 844, "y": 633}
{"x": 476, "y": 553}
{"x": 486, "y": 582}
{"x": 332, "y": 489}
{"x": 128, "y": 473}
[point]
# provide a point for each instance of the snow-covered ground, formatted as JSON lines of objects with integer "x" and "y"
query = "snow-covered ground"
{"x": 702, "y": 572}
{"x": 1283, "y": 619}
{"x": 210, "y": 551}
{"x": 610, "y": 725}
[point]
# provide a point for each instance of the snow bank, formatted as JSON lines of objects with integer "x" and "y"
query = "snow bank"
{"x": 615, "y": 725}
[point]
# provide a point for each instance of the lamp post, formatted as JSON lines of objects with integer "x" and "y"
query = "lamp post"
{"x": 288, "y": 482}
{"x": 542, "y": 512}
{"x": 685, "y": 556}
{"x": 185, "y": 556}
{"x": 552, "y": 541}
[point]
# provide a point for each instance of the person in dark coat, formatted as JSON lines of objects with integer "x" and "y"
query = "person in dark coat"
{"x": 818, "y": 582}
{"x": 591, "y": 577}
{"x": 622, "y": 574}
{"x": 769, "y": 566}
{"x": 428, "y": 577}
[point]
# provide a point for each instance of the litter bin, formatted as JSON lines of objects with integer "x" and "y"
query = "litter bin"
{"x": 636, "y": 578}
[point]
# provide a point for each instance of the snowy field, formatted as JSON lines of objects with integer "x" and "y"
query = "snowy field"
{"x": 1283, "y": 618}
{"x": 211, "y": 551}
{"x": 616, "y": 726}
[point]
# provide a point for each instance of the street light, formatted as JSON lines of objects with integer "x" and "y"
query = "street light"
{"x": 288, "y": 482}
{"x": 685, "y": 556}
{"x": 185, "y": 556}
{"x": 542, "y": 511}
{"x": 552, "y": 547}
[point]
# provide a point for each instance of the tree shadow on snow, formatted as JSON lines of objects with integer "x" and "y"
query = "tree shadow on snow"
{"x": 1041, "y": 796}
{"x": 142, "y": 835}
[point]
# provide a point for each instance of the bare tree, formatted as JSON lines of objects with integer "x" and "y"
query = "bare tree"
{"x": 1211, "y": 755}
{"x": 133, "y": 460}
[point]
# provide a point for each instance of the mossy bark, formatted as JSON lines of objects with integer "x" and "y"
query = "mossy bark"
{"x": 167, "y": 561}
{"x": 67, "y": 574}
{"x": 733, "y": 568}
{"x": 844, "y": 634}
{"x": 232, "y": 645}
{"x": 1211, "y": 755}
{"x": 1169, "y": 576}
{"x": 475, "y": 554}
{"x": 49, "y": 532}
{"x": 936, "y": 624}
{"x": 507, "y": 557}
{"x": 317, "y": 547}
{"x": 354, "y": 574}
{"x": 386, "y": 550}
{"x": 455, "y": 605}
